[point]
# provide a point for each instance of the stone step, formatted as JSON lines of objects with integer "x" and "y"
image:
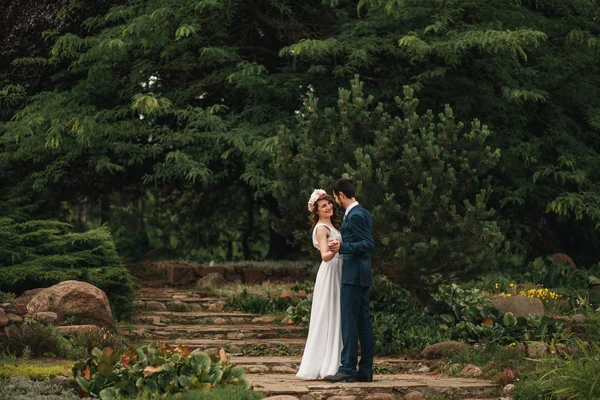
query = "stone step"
{"x": 431, "y": 385}
{"x": 214, "y": 331}
{"x": 168, "y": 299}
{"x": 181, "y": 318}
{"x": 239, "y": 347}
{"x": 265, "y": 364}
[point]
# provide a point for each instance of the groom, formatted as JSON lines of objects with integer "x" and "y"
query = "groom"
{"x": 356, "y": 284}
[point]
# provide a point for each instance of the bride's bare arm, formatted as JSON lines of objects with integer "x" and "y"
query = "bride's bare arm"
{"x": 322, "y": 236}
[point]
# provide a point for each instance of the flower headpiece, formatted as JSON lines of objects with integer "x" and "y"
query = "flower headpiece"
{"x": 314, "y": 197}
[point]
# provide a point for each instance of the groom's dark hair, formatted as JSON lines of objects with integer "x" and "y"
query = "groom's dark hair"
{"x": 344, "y": 186}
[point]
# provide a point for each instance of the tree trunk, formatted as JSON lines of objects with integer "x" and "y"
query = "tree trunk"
{"x": 83, "y": 214}
{"x": 249, "y": 223}
{"x": 105, "y": 208}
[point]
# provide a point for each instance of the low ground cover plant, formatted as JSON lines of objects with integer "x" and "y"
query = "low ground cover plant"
{"x": 154, "y": 369}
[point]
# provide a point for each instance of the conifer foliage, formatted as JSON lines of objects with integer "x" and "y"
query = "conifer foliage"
{"x": 424, "y": 177}
{"x": 41, "y": 253}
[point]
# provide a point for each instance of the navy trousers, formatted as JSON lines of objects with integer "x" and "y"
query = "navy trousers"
{"x": 356, "y": 324}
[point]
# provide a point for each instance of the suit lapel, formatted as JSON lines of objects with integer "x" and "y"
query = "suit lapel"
{"x": 345, "y": 220}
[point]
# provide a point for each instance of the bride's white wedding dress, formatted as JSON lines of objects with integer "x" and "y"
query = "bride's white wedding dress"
{"x": 323, "y": 348}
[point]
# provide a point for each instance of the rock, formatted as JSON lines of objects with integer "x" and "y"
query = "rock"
{"x": 263, "y": 320}
{"x": 253, "y": 275}
{"x": 520, "y": 306}
{"x": 536, "y": 349}
{"x": 306, "y": 397}
{"x": 181, "y": 275}
{"x": 421, "y": 368}
{"x": 219, "y": 321}
{"x": 20, "y": 309}
{"x": 45, "y": 317}
{"x": 286, "y": 294}
{"x": 281, "y": 397}
{"x": 235, "y": 277}
{"x": 138, "y": 304}
{"x": 507, "y": 376}
{"x": 342, "y": 397}
{"x": 508, "y": 388}
{"x": 211, "y": 280}
{"x": 15, "y": 319}
{"x": 71, "y": 329}
{"x": 155, "y": 306}
{"x": 282, "y": 369}
{"x": 301, "y": 294}
{"x": 256, "y": 369}
{"x": 562, "y": 258}
{"x": 380, "y": 396}
{"x": 579, "y": 319}
{"x": 216, "y": 307}
{"x": 27, "y": 296}
{"x": 439, "y": 350}
{"x": 4, "y": 320}
{"x": 213, "y": 270}
{"x": 86, "y": 302}
{"x": 413, "y": 396}
{"x": 5, "y": 305}
{"x": 471, "y": 370}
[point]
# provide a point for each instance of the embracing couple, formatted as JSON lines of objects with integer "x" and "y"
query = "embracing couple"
{"x": 340, "y": 315}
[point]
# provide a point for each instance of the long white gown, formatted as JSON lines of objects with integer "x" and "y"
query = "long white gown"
{"x": 323, "y": 348}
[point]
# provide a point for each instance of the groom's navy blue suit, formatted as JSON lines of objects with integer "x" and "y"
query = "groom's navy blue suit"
{"x": 356, "y": 248}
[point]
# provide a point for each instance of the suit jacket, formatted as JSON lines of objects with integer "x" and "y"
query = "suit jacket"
{"x": 356, "y": 248}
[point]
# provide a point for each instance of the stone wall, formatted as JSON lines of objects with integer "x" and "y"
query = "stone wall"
{"x": 180, "y": 274}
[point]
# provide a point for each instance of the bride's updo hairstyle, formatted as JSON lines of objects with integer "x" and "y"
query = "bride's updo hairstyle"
{"x": 334, "y": 218}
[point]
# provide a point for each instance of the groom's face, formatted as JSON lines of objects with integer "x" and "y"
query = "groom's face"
{"x": 337, "y": 198}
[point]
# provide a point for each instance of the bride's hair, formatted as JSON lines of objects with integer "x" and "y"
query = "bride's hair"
{"x": 334, "y": 218}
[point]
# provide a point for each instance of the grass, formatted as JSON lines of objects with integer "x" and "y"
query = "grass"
{"x": 266, "y": 288}
{"x": 262, "y": 350}
{"x": 25, "y": 389}
{"x": 13, "y": 367}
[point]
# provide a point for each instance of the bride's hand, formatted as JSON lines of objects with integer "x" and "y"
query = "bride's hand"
{"x": 334, "y": 246}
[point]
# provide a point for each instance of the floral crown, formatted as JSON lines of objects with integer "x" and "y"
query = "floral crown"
{"x": 314, "y": 197}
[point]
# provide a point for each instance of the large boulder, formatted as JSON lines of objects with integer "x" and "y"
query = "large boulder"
{"x": 84, "y": 303}
{"x": 563, "y": 258}
{"x": 443, "y": 349}
{"x": 211, "y": 280}
{"x": 520, "y": 306}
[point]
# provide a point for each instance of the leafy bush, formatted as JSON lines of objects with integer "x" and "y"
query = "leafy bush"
{"x": 43, "y": 253}
{"x": 154, "y": 369}
{"x": 24, "y": 389}
{"x": 300, "y": 313}
{"x": 37, "y": 339}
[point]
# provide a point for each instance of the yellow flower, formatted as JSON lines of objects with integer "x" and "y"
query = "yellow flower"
{"x": 512, "y": 284}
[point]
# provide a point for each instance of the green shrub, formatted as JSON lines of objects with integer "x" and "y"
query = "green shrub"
{"x": 154, "y": 369}
{"x": 43, "y": 253}
{"x": 6, "y": 297}
{"x": 33, "y": 372}
{"x": 36, "y": 339}
{"x": 220, "y": 393}
{"x": 82, "y": 343}
{"x": 258, "y": 304}
{"x": 300, "y": 313}
{"x": 24, "y": 389}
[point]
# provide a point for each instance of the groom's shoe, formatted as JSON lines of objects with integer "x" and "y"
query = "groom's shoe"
{"x": 364, "y": 378}
{"x": 340, "y": 377}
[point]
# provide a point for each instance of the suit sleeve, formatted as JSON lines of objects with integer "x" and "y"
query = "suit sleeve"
{"x": 361, "y": 226}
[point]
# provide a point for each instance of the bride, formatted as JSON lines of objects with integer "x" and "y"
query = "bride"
{"x": 324, "y": 343}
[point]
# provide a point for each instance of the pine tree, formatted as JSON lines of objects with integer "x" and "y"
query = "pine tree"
{"x": 425, "y": 179}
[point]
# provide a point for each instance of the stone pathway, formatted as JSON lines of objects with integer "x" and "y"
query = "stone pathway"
{"x": 270, "y": 352}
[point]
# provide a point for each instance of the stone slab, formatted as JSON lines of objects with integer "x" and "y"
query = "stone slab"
{"x": 273, "y": 384}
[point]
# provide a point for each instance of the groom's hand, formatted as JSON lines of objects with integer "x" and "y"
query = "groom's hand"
{"x": 334, "y": 246}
